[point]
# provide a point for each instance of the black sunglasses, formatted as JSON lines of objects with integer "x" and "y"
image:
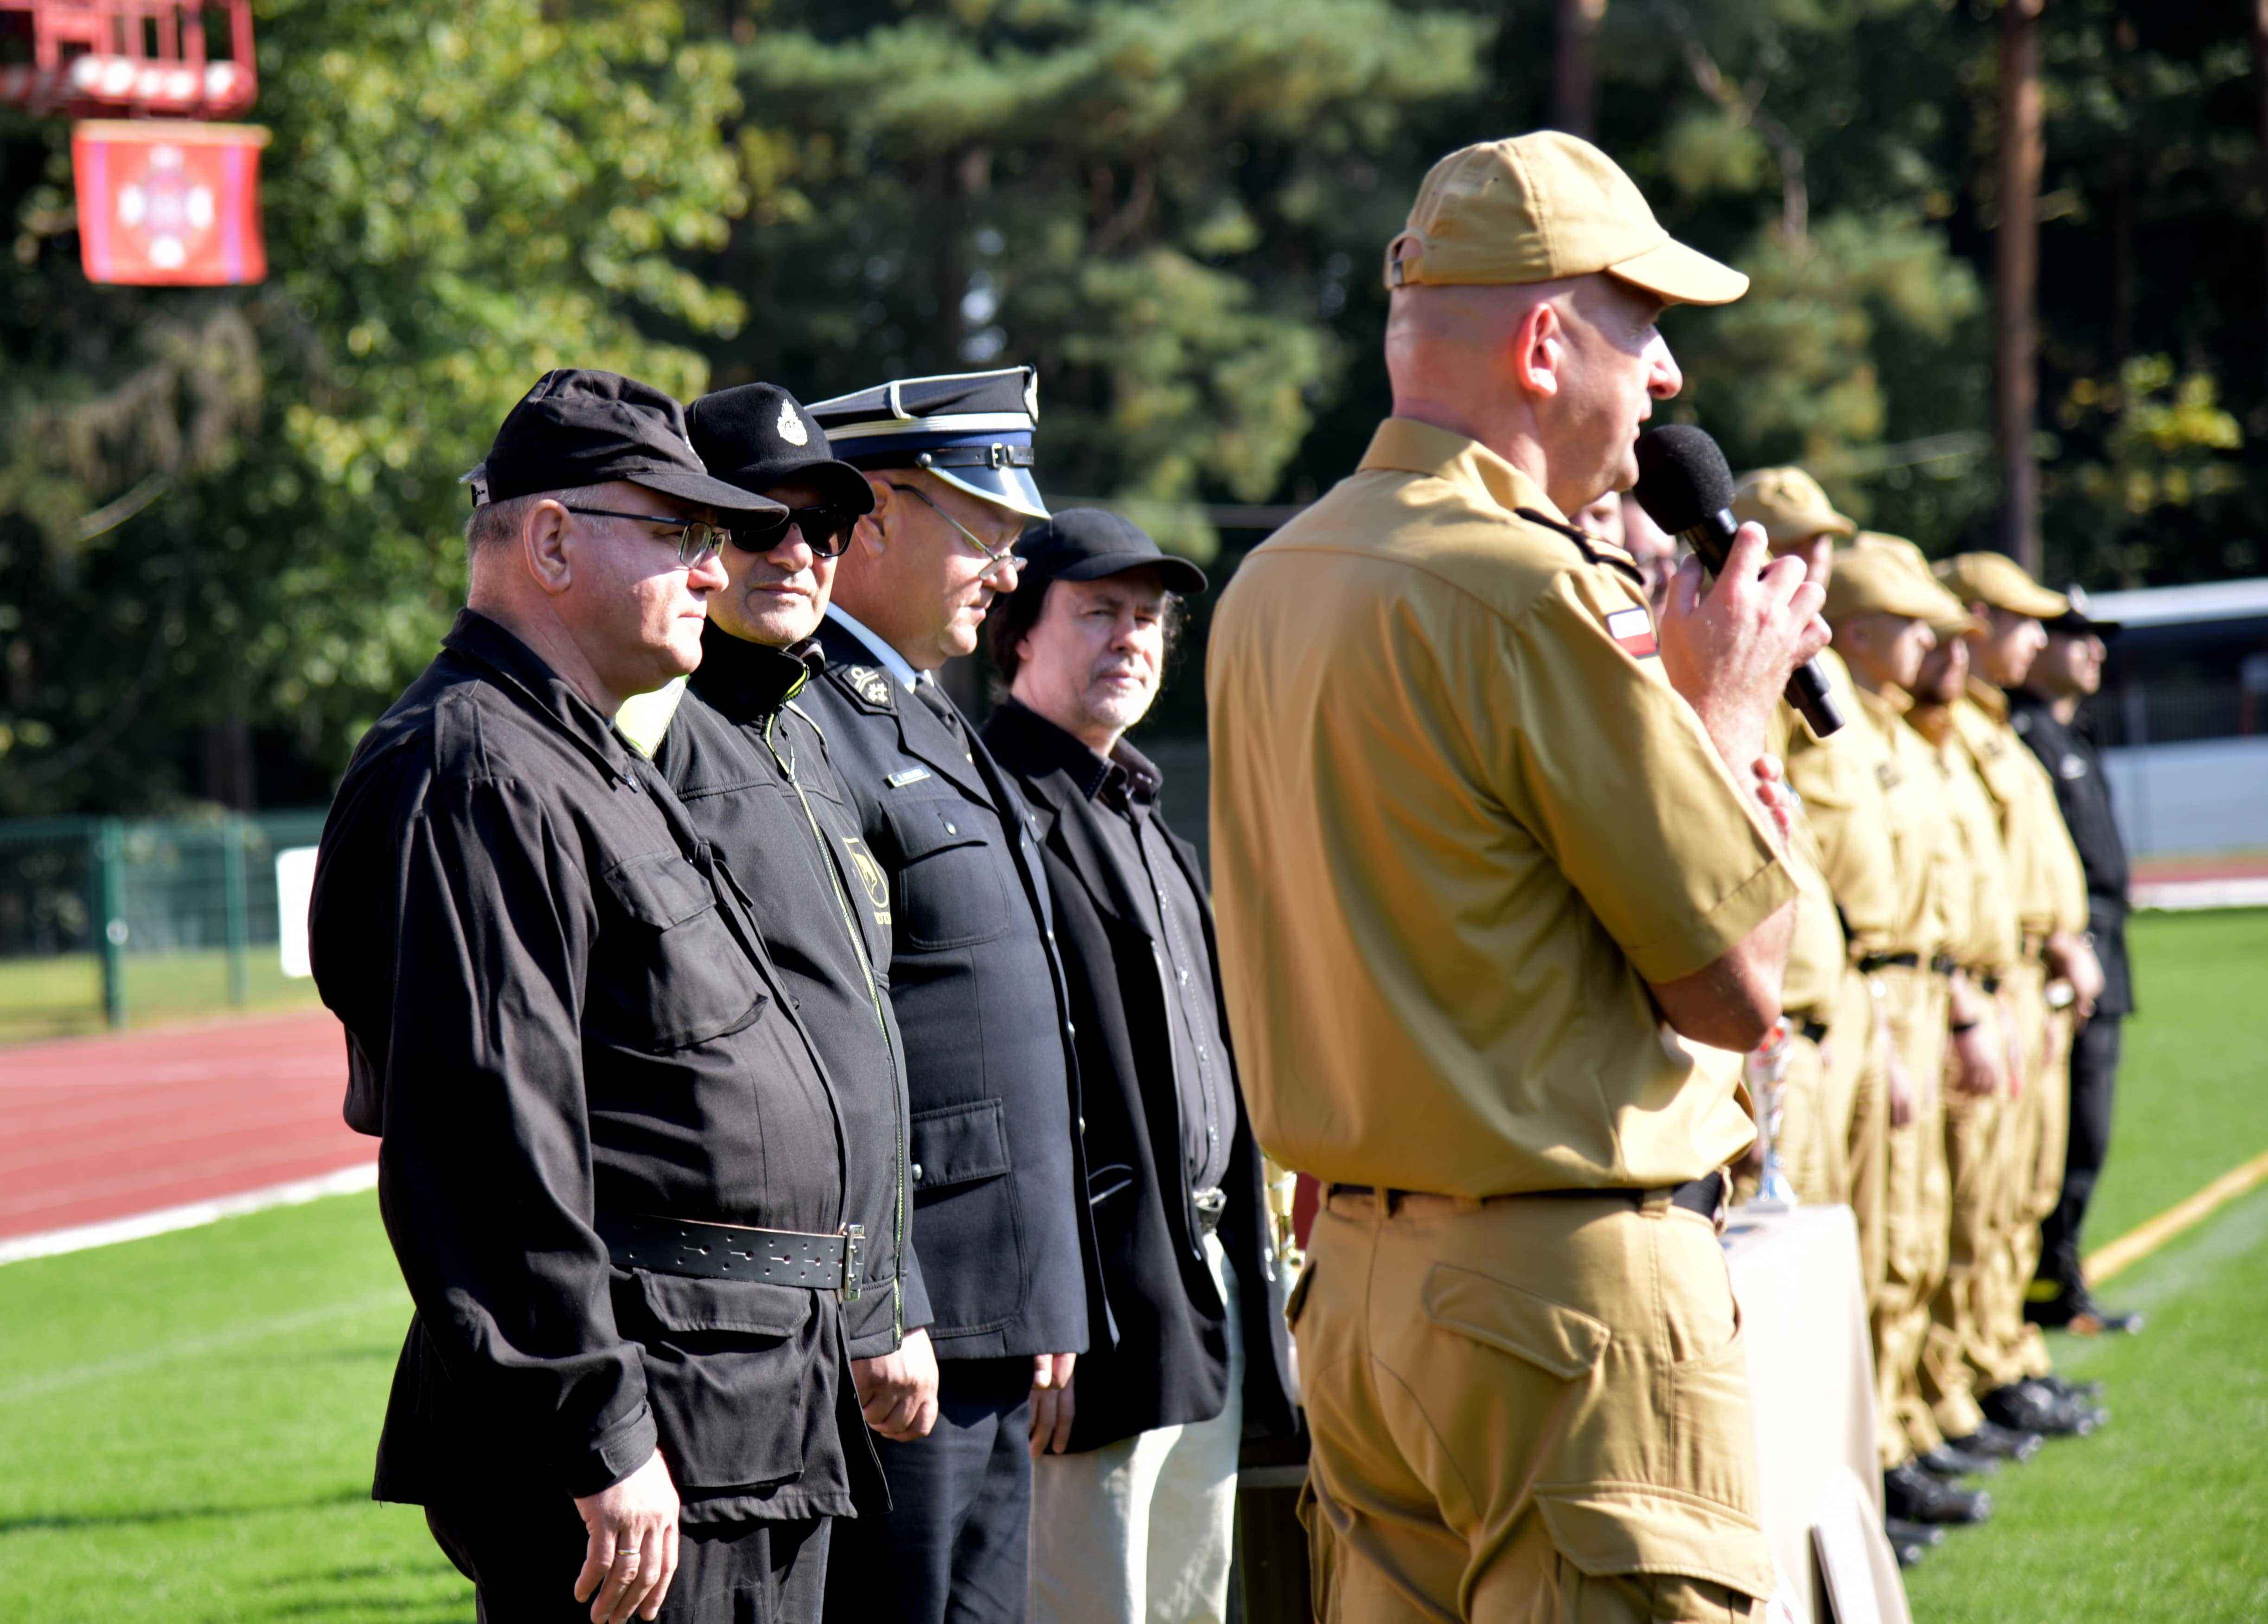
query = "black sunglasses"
{"x": 825, "y": 530}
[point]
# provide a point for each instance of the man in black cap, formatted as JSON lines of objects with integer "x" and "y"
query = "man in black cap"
{"x": 754, "y": 773}
{"x": 2046, "y": 712}
{"x": 1137, "y": 1520}
{"x": 999, "y": 1182}
{"x": 612, "y": 1165}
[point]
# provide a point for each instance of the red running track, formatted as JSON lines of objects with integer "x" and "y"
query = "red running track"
{"x": 98, "y": 1129}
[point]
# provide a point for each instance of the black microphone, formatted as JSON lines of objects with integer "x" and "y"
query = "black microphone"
{"x": 1686, "y": 487}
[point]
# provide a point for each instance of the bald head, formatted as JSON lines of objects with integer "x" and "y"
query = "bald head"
{"x": 1555, "y": 377}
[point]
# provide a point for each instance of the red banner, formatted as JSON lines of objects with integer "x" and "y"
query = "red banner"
{"x": 169, "y": 202}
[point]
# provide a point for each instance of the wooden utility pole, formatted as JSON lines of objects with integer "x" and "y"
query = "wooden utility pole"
{"x": 1575, "y": 76}
{"x": 2016, "y": 258}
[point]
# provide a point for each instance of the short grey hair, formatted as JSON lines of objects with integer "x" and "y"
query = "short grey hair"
{"x": 495, "y": 522}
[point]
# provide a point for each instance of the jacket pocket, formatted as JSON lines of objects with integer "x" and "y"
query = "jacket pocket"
{"x": 968, "y": 1216}
{"x": 674, "y": 973}
{"x": 959, "y": 1145}
{"x": 1103, "y": 1183}
{"x": 950, "y": 893}
{"x": 737, "y": 1374}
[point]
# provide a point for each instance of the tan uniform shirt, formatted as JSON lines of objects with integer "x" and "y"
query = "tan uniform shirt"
{"x": 2049, "y": 885}
{"x": 1841, "y": 779}
{"x": 1981, "y": 932}
{"x": 1921, "y": 836}
{"x": 1460, "y": 820}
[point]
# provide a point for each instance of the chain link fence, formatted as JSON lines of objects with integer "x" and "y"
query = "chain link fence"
{"x": 114, "y": 922}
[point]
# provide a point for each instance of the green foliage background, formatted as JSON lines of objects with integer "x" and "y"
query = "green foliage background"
{"x": 238, "y": 507}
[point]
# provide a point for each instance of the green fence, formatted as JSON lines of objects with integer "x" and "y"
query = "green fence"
{"x": 114, "y": 922}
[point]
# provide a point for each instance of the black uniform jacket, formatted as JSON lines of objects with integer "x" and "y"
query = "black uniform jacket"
{"x": 556, "y": 1006}
{"x": 1007, "y": 1254}
{"x": 1171, "y": 1363}
{"x": 2074, "y": 760}
{"x": 753, "y": 772}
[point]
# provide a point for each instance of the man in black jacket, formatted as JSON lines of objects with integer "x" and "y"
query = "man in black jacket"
{"x": 754, "y": 774}
{"x": 1000, "y": 1218}
{"x": 2046, "y": 712}
{"x": 1136, "y": 1522}
{"x": 612, "y": 1164}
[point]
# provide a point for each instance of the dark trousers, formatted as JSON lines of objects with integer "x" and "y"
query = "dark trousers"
{"x": 2094, "y": 1077}
{"x": 522, "y": 1564}
{"x": 953, "y": 1548}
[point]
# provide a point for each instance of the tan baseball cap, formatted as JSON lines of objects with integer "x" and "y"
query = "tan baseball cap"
{"x": 1538, "y": 207}
{"x": 1790, "y": 506}
{"x": 1885, "y": 575}
{"x": 1952, "y": 618}
{"x": 1997, "y": 580}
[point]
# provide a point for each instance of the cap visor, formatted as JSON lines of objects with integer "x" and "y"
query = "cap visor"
{"x": 1177, "y": 574}
{"x": 1683, "y": 275}
{"x": 1011, "y": 488}
{"x": 692, "y": 487}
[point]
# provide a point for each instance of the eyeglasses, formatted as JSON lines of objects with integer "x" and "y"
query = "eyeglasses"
{"x": 996, "y": 556}
{"x": 698, "y": 539}
{"x": 825, "y": 530}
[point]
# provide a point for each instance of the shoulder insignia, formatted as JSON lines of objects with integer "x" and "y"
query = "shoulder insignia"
{"x": 1590, "y": 546}
{"x": 869, "y": 683}
{"x": 1632, "y": 628}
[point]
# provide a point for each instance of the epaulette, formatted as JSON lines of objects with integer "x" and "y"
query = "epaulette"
{"x": 868, "y": 686}
{"x": 1590, "y": 546}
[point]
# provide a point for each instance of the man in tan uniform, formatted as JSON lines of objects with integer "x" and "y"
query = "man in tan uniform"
{"x": 1489, "y": 850}
{"x": 2056, "y": 976}
{"x": 1882, "y": 607}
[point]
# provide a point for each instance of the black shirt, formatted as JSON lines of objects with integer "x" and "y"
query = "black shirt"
{"x": 755, "y": 776}
{"x": 1125, "y": 785}
{"x": 2074, "y": 762}
{"x": 556, "y": 1005}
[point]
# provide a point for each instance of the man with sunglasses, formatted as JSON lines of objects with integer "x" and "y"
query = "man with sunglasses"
{"x": 999, "y": 1178}
{"x": 754, "y": 773}
{"x": 612, "y": 1158}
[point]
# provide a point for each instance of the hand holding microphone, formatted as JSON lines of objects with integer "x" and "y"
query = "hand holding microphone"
{"x": 1759, "y": 618}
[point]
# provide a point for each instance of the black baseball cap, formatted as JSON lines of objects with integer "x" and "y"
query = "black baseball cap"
{"x": 577, "y": 428}
{"x": 2077, "y": 622}
{"x": 758, "y": 436}
{"x": 1087, "y": 543}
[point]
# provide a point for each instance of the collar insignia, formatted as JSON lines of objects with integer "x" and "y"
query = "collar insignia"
{"x": 868, "y": 683}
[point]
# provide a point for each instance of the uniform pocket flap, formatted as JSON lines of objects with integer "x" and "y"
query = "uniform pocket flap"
{"x": 753, "y": 1307}
{"x": 922, "y": 827}
{"x": 1561, "y": 1339}
{"x": 659, "y": 888}
{"x": 1614, "y": 1528}
{"x": 955, "y": 1144}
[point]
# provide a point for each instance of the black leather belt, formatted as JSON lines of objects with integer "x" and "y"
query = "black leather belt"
{"x": 1210, "y": 1204}
{"x": 736, "y": 1252}
{"x": 1814, "y": 1031}
{"x": 1697, "y": 1195}
{"x": 1874, "y": 962}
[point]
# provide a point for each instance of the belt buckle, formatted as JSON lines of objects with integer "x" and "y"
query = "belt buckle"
{"x": 1210, "y": 1205}
{"x": 854, "y": 1237}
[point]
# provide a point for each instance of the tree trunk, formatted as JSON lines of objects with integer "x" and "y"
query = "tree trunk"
{"x": 1575, "y": 79}
{"x": 2260, "y": 86}
{"x": 2016, "y": 281}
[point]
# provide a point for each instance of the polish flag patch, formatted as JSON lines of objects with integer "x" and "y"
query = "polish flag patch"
{"x": 1633, "y": 629}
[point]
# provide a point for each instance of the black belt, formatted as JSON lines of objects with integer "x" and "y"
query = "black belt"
{"x": 1814, "y": 1031}
{"x": 736, "y": 1252}
{"x": 1943, "y": 964}
{"x": 1696, "y": 1195}
{"x": 1874, "y": 962}
{"x": 1210, "y": 1205}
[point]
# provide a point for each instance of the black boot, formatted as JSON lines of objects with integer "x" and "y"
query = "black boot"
{"x": 2073, "y": 1309}
{"x": 1998, "y": 1443}
{"x": 2025, "y": 1407}
{"x": 1949, "y": 1459}
{"x": 1911, "y": 1495}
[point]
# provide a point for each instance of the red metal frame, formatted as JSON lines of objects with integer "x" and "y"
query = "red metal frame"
{"x": 131, "y": 56}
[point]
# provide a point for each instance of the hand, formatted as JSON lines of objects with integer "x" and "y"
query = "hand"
{"x": 1900, "y": 1086}
{"x": 1051, "y": 1403}
{"x": 897, "y": 1393}
{"x": 1729, "y": 651}
{"x": 2014, "y": 1043}
{"x": 1774, "y": 796}
{"x": 1976, "y": 1072}
{"x": 2071, "y": 958}
{"x": 633, "y": 1550}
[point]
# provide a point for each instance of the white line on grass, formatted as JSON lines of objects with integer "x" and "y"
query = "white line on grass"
{"x": 197, "y": 1346}
{"x": 346, "y": 1181}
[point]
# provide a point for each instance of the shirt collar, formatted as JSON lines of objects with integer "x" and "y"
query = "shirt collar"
{"x": 1411, "y": 447}
{"x": 747, "y": 678}
{"x": 1032, "y": 737}
{"x": 474, "y": 637}
{"x": 1988, "y": 698}
{"x": 884, "y": 656}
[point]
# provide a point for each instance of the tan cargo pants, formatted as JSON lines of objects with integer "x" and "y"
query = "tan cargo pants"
{"x": 1959, "y": 1335}
{"x": 1915, "y": 1199}
{"x": 1533, "y": 1410}
{"x": 2038, "y": 1135}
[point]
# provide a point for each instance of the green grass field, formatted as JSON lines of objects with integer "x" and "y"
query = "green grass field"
{"x": 186, "y": 1422}
{"x": 62, "y": 996}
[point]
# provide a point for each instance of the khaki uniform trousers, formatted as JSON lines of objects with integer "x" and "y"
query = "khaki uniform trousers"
{"x": 1915, "y": 1199}
{"x": 2035, "y": 1147}
{"x": 1845, "y": 1095}
{"x": 1959, "y": 1337}
{"x": 1531, "y": 1410}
